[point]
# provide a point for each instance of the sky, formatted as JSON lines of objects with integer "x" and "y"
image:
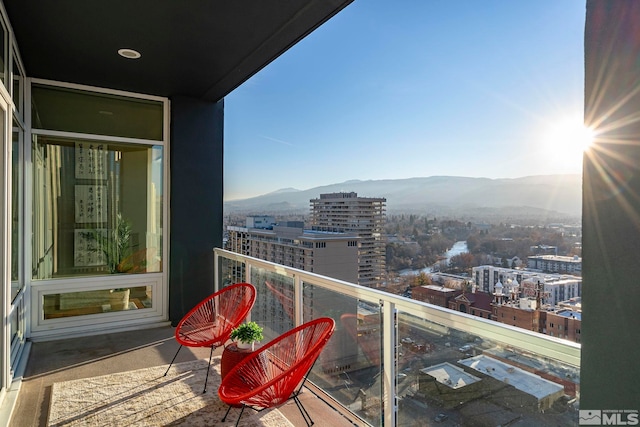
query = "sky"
{"x": 393, "y": 89}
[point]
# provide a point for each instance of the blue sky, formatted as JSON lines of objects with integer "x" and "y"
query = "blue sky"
{"x": 391, "y": 89}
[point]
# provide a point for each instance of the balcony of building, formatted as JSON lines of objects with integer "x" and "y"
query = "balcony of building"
{"x": 392, "y": 361}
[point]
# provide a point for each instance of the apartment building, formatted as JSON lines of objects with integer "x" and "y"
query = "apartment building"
{"x": 524, "y": 283}
{"x": 555, "y": 264}
{"x": 331, "y": 254}
{"x": 562, "y": 320}
{"x": 364, "y": 216}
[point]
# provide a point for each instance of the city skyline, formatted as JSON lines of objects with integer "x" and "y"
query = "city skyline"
{"x": 487, "y": 89}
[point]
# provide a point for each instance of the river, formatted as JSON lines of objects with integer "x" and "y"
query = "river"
{"x": 458, "y": 248}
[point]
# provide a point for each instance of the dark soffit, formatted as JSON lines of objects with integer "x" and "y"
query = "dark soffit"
{"x": 197, "y": 48}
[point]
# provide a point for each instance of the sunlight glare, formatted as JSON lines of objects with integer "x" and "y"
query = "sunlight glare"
{"x": 570, "y": 136}
{"x": 564, "y": 143}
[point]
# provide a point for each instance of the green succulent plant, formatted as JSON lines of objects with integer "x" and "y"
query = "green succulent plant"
{"x": 247, "y": 333}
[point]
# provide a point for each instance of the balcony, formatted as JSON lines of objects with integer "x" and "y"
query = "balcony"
{"x": 392, "y": 361}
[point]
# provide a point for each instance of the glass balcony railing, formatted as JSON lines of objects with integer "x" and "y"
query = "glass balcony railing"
{"x": 394, "y": 361}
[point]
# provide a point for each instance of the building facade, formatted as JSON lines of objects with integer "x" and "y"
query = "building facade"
{"x": 331, "y": 254}
{"x": 522, "y": 313}
{"x": 555, "y": 264}
{"x": 565, "y": 324}
{"x": 433, "y": 294}
{"x": 524, "y": 283}
{"x": 474, "y": 303}
{"x": 364, "y": 216}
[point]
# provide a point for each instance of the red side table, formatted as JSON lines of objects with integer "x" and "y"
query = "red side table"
{"x": 231, "y": 356}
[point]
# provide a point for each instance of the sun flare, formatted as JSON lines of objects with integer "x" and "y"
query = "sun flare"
{"x": 566, "y": 140}
{"x": 570, "y": 136}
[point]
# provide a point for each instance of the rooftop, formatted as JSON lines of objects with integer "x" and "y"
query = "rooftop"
{"x": 439, "y": 288}
{"x": 570, "y": 314}
{"x": 450, "y": 375}
{"x": 522, "y": 380}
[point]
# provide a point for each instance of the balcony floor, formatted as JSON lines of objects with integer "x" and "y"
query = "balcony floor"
{"x": 55, "y": 361}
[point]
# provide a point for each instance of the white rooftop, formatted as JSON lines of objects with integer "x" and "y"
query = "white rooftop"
{"x": 522, "y": 380}
{"x": 439, "y": 288}
{"x": 450, "y": 375}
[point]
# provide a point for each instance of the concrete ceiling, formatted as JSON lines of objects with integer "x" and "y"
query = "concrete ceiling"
{"x": 197, "y": 48}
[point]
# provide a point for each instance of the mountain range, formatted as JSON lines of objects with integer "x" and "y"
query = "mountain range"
{"x": 543, "y": 196}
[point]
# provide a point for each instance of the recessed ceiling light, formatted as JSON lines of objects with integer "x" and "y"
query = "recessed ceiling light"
{"x": 129, "y": 53}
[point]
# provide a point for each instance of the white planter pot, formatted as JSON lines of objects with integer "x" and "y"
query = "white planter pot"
{"x": 250, "y": 346}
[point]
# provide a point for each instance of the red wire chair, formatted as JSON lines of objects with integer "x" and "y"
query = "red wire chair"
{"x": 277, "y": 371}
{"x": 209, "y": 323}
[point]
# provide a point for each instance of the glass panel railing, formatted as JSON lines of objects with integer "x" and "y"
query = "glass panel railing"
{"x": 230, "y": 271}
{"x": 349, "y": 368}
{"x": 446, "y": 373}
{"x": 274, "y": 309}
{"x": 400, "y": 362}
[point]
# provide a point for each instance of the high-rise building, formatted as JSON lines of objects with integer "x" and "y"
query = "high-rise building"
{"x": 365, "y": 216}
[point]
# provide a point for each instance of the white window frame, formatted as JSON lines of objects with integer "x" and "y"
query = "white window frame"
{"x": 40, "y": 328}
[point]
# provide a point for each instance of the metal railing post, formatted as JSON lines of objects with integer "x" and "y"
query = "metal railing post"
{"x": 389, "y": 363}
{"x": 298, "y": 298}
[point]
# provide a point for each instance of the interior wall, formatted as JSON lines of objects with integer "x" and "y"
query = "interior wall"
{"x": 196, "y": 187}
{"x": 610, "y": 365}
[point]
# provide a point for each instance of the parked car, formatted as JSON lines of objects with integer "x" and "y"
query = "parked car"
{"x": 441, "y": 417}
{"x": 465, "y": 348}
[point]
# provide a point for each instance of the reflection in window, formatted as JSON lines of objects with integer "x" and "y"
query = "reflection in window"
{"x": 274, "y": 307}
{"x": 97, "y": 207}
{"x": 97, "y": 301}
{"x": 351, "y": 363}
{"x": 18, "y": 81}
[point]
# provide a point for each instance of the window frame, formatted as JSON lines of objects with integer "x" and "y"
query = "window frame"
{"x": 38, "y": 325}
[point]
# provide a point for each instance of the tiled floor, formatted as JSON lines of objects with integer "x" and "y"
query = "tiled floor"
{"x": 55, "y": 361}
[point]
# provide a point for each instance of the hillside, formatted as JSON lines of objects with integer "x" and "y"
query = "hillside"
{"x": 549, "y": 196}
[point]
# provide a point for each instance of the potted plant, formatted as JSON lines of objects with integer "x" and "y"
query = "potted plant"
{"x": 114, "y": 245}
{"x": 247, "y": 334}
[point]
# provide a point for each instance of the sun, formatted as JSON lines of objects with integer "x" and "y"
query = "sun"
{"x": 570, "y": 135}
{"x": 565, "y": 142}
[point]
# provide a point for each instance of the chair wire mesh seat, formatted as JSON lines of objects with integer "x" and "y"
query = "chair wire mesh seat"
{"x": 277, "y": 371}
{"x": 209, "y": 324}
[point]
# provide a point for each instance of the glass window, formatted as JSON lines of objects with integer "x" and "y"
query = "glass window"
{"x": 16, "y": 212}
{"x": 97, "y": 301}
{"x": 97, "y": 207}
{"x": 3, "y": 53}
{"x": 71, "y": 110}
{"x": 18, "y": 80}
